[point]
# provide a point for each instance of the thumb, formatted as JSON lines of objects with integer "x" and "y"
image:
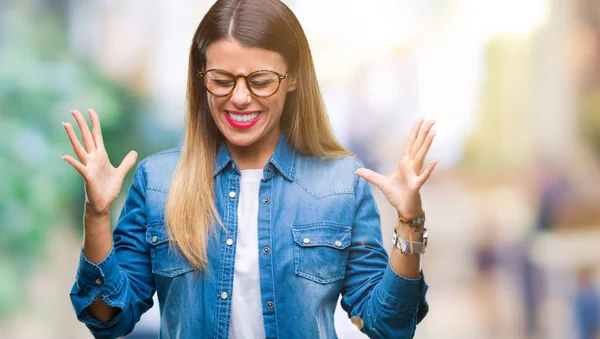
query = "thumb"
{"x": 371, "y": 176}
{"x": 128, "y": 162}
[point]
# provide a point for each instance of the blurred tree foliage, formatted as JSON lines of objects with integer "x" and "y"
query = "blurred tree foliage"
{"x": 41, "y": 79}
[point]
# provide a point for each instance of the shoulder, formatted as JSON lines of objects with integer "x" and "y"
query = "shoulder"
{"x": 161, "y": 159}
{"x": 322, "y": 176}
{"x": 158, "y": 168}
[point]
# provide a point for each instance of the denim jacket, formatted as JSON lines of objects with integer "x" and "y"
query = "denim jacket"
{"x": 319, "y": 236}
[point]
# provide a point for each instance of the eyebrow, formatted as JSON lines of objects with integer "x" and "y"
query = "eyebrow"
{"x": 275, "y": 69}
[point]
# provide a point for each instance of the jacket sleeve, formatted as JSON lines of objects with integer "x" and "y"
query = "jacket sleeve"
{"x": 389, "y": 305}
{"x": 124, "y": 278}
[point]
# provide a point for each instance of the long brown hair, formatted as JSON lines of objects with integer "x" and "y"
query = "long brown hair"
{"x": 190, "y": 212}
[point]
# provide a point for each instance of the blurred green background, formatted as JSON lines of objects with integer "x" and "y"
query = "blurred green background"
{"x": 42, "y": 78}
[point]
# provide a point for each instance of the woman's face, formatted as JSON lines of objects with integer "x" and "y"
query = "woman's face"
{"x": 245, "y": 119}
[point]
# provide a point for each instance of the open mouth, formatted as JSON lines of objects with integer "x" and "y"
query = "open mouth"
{"x": 242, "y": 120}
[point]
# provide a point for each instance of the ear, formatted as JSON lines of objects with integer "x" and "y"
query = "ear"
{"x": 292, "y": 83}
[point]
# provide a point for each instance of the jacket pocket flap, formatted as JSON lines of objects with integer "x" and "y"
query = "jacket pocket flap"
{"x": 156, "y": 235}
{"x": 322, "y": 234}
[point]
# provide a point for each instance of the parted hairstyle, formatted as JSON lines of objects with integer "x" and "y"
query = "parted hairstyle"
{"x": 191, "y": 215}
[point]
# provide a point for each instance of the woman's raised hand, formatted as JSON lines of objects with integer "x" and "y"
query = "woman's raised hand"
{"x": 401, "y": 187}
{"x": 102, "y": 181}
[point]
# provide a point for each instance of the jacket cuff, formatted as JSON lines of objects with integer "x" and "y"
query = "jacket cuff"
{"x": 103, "y": 278}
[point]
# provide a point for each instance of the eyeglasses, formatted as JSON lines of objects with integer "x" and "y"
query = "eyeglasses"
{"x": 221, "y": 83}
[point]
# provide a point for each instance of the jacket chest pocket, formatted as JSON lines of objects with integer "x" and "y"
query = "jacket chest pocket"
{"x": 167, "y": 260}
{"x": 321, "y": 251}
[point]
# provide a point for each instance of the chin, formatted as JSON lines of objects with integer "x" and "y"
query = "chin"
{"x": 241, "y": 139}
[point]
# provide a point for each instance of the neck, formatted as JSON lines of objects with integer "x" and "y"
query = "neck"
{"x": 256, "y": 155}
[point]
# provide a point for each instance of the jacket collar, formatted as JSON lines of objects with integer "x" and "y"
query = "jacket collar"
{"x": 283, "y": 158}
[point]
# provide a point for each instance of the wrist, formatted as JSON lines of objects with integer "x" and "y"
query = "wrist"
{"x": 410, "y": 205}
{"x": 96, "y": 224}
{"x": 410, "y": 213}
{"x": 411, "y": 244}
{"x": 414, "y": 224}
{"x": 90, "y": 212}
{"x": 407, "y": 233}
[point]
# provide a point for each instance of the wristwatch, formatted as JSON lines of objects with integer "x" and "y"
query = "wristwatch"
{"x": 404, "y": 245}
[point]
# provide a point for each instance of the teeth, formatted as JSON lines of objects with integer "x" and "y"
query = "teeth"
{"x": 243, "y": 117}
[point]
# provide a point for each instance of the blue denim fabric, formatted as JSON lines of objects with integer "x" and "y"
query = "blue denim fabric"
{"x": 323, "y": 230}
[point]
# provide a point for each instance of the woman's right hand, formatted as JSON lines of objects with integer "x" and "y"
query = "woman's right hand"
{"x": 102, "y": 181}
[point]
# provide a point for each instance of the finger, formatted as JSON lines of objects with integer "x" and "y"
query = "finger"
{"x": 371, "y": 176}
{"x": 96, "y": 129}
{"x": 86, "y": 135}
{"x": 78, "y": 166}
{"x": 420, "y": 156}
{"x": 421, "y": 138}
{"x": 79, "y": 150}
{"x": 425, "y": 176}
{"x": 410, "y": 140}
{"x": 127, "y": 163}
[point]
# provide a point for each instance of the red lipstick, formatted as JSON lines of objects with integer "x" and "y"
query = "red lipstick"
{"x": 245, "y": 124}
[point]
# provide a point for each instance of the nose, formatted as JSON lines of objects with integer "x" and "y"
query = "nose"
{"x": 241, "y": 95}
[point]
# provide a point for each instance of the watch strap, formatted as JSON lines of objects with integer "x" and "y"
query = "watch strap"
{"x": 404, "y": 245}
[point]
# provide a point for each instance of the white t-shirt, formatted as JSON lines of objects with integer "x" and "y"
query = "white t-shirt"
{"x": 246, "y": 305}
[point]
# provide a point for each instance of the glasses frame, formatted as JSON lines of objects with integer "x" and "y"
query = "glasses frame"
{"x": 280, "y": 77}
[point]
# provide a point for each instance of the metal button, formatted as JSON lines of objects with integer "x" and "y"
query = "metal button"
{"x": 306, "y": 240}
{"x": 269, "y": 304}
{"x": 357, "y": 322}
{"x": 338, "y": 243}
{"x": 154, "y": 238}
{"x": 229, "y": 242}
{"x": 269, "y": 169}
{"x": 98, "y": 282}
{"x": 224, "y": 295}
{"x": 266, "y": 250}
{"x": 266, "y": 200}
{"x": 232, "y": 194}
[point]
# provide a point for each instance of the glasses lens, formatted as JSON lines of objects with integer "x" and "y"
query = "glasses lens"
{"x": 219, "y": 82}
{"x": 264, "y": 83}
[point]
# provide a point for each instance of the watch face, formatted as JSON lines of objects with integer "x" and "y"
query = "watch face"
{"x": 404, "y": 245}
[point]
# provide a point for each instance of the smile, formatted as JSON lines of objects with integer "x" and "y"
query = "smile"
{"x": 242, "y": 120}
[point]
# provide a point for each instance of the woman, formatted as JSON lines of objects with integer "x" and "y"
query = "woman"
{"x": 257, "y": 224}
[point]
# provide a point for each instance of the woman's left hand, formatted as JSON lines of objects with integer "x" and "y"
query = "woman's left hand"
{"x": 401, "y": 186}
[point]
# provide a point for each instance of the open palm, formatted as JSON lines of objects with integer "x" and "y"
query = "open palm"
{"x": 102, "y": 180}
{"x": 401, "y": 186}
